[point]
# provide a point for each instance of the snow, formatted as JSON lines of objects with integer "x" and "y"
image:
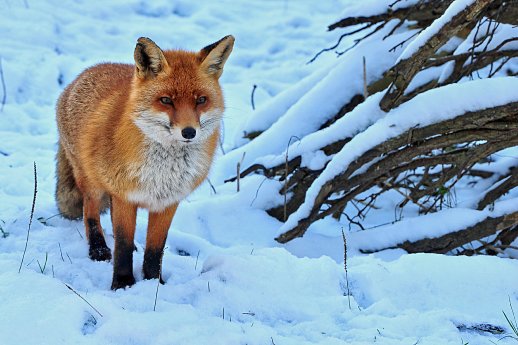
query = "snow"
{"x": 227, "y": 280}
{"x": 374, "y": 7}
{"x": 455, "y": 8}
{"x": 270, "y": 112}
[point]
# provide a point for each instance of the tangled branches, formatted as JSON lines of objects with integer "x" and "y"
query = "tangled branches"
{"x": 422, "y": 163}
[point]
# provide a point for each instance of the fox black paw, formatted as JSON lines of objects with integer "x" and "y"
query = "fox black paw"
{"x": 151, "y": 266}
{"x": 120, "y": 282}
{"x": 160, "y": 279}
{"x": 100, "y": 253}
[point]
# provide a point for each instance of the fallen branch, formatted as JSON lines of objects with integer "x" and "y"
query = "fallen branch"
{"x": 448, "y": 242}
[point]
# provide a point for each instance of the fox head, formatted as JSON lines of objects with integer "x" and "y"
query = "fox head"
{"x": 175, "y": 95}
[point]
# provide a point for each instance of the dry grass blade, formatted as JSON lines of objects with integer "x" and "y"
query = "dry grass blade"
{"x": 77, "y": 294}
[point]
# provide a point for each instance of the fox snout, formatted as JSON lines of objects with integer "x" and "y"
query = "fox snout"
{"x": 188, "y": 133}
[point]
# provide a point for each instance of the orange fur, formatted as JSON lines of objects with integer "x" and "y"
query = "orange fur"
{"x": 117, "y": 132}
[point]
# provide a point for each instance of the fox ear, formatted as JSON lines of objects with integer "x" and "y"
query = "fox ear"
{"x": 149, "y": 58}
{"x": 215, "y": 55}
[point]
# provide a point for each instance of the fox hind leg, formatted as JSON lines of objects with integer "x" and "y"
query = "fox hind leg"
{"x": 98, "y": 250}
{"x": 68, "y": 196}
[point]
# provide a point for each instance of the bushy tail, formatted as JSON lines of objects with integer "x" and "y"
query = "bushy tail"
{"x": 68, "y": 196}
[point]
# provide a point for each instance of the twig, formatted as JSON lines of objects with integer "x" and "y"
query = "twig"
{"x": 257, "y": 191}
{"x": 286, "y": 178}
{"x": 157, "y": 285}
{"x": 4, "y": 90}
{"x": 42, "y": 269}
{"x": 352, "y": 221}
{"x": 32, "y": 214}
{"x": 74, "y": 291}
{"x": 61, "y": 252}
{"x": 212, "y": 186}
{"x": 252, "y": 97}
{"x": 345, "y": 268}
{"x": 339, "y": 41}
{"x": 395, "y": 2}
{"x": 221, "y": 137}
{"x": 365, "y": 92}
{"x": 358, "y": 40}
{"x": 238, "y": 168}
{"x": 197, "y": 257}
{"x": 79, "y": 233}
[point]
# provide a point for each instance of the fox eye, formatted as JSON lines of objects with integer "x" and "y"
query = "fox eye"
{"x": 201, "y": 100}
{"x": 166, "y": 100}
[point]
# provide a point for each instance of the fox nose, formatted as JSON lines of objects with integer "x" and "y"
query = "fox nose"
{"x": 188, "y": 132}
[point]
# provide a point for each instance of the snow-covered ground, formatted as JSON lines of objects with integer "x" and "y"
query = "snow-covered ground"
{"x": 228, "y": 281}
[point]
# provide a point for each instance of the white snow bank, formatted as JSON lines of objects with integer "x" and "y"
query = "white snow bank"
{"x": 254, "y": 298}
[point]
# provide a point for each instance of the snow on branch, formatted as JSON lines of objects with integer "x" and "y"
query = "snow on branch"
{"x": 439, "y": 232}
{"x": 404, "y": 135}
{"x": 439, "y": 76}
{"x": 458, "y": 16}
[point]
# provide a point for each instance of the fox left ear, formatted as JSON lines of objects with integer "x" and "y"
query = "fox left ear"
{"x": 149, "y": 58}
{"x": 215, "y": 55}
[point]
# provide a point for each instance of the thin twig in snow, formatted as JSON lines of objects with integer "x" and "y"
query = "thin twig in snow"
{"x": 32, "y": 214}
{"x": 61, "y": 252}
{"x": 345, "y": 267}
{"x": 339, "y": 41}
{"x": 4, "y": 90}
{"x": 197, "y": 257}
{"x": 238, "y": 168}
{"x": 42, "y": 269}
{"x": 252, "y": 97}
{"x": 157, "y": 285}
{"x": 365, "y": 92}
{"x": 286, "y": 178}
{"x": 212, "y": 186}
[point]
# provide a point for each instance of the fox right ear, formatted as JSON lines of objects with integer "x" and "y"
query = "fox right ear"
{"x": 215, "y": 55}
{"x": 149, "y": 58}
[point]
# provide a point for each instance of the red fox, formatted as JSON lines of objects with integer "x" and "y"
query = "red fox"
{"x": 133, "y": 136}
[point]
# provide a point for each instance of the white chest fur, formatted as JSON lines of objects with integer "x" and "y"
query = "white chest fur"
{"x": 167, "y": 176}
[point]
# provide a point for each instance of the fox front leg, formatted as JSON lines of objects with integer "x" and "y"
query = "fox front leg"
{"x": 158, "y": 226}
{"x": 124, "y": 216}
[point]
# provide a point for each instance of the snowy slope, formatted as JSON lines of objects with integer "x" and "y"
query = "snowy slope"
{"x": 228, "y": 282}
